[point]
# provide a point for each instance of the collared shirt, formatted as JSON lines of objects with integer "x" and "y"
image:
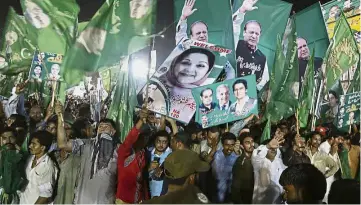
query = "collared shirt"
{"x": 292, "y": 157}
{"x": 41, "y": 178}
{"x": 156, "y": 185}
{"x": 100, "y": 188}
{"x": 267, "y": 189}
{"x": 322, "y": 162}
{"x": 222, "y": 171}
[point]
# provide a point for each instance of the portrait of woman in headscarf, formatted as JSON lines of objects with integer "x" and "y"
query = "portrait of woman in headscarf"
{"x": 188, "y": 70}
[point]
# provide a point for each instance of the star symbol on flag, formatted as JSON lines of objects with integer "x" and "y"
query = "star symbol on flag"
{"x": 223, "y": 54}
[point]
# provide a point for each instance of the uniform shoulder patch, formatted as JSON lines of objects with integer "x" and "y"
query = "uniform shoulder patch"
{"x": 202, "y": 198}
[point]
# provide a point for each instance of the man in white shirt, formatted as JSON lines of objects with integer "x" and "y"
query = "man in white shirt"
{"x": 40, "y": 171}
{"x": 268, "y": 167}
{"x": 330, "y": 146}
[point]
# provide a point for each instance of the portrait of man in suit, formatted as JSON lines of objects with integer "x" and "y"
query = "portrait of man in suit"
{"x": 207, "y": 105}
{"x": 223, "y": 97}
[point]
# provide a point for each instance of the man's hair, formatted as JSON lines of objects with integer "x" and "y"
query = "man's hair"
{"x": 252, "y": 21}
{"x": 222, "y": 86}
{"x": 228, "y": 136}
{"x": 333, "y": 93}
{"x": 8, "y": 129}
{"x": 213, "y": 129}
{"x": 197, "y": 22}
{"x": 244, "y": 135}
{"x": 206, "y": 90}
{"x": 162, "y": 133}
{"x": 306, "y": 177}
{"x": 44, "y": 137}
{"x": 108, "y": 121}
{"x": 302, "y": 38}
{"x": 20, "y": 121}
{"x": 244, "y": 82}
{"x": 78, "y": 126}
{"x": 344, "y": 191}
{"x": 184, "y": 138}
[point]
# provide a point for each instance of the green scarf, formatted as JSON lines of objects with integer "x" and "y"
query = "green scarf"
{"x": 346, "y": 171}
{"x": 12, "y": 175}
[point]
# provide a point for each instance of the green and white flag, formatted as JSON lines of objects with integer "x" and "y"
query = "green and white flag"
{"x": 119, "y": 28}
{"x": 342, "y": 53}
{"x": 124, "y": 101}
{"x": 266, "y": 135}
{"x": 55, "y": 22}
{"x": 19, "y": 45}
{"x": 305, "y": 102}
{"x": 355, "y": 83}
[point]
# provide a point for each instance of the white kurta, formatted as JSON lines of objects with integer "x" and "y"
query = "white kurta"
{"x": 267, "y": 189}
{"x": 41, "y": 178}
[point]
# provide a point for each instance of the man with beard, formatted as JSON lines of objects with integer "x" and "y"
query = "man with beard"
{"x": 243, "y": 177}
{"x": 295, "y": 154}
{"x": 157, "y": 156}
{"x": 222, "y": 165}
{"x": 98, "y": 162}
{"x": 303, "y": 184}
{"x": 320, "y": 159}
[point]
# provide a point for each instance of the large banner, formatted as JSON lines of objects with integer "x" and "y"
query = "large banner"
{"x": 349, "y": 110}
{"x": 190, "y": 65}
{"x": 226, "y": 101}
{"x": 351, "y": 8}
{"x": 256, "y": 25}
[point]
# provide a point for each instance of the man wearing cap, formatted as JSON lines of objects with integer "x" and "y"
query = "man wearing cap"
{"x": 181, "y": 171}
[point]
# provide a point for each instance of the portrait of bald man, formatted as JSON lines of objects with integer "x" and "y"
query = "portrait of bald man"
{"x": 250, "y": 60}
{"x": 304, "y": 55}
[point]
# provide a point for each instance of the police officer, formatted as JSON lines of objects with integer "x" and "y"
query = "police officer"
{"x": 181, "y": 172}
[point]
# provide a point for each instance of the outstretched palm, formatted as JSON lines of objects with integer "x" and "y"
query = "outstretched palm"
{"x": 188, "y": 8}
{"x": 248, "y": 5}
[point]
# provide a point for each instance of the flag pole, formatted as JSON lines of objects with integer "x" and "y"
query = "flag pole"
{"x": 54, "y": 83}
{"x": 317, "y": 105}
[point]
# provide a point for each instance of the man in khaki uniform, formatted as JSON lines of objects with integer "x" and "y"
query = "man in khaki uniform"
{"x": 181, "y": 171}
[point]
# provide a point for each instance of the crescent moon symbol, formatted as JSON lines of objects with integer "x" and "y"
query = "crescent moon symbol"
{"x": 23, "y": 52}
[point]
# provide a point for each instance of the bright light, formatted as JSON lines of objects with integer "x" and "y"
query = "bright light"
{"x": 140, "y": 68}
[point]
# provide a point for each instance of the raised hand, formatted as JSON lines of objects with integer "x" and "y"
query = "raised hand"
{"x": 275, "y": 142}
{"x": 188, "y": 9}
{"x": 248, "y": 5}
{"x": 19, "y": 88}
{"x": 58, "y": 108}
{"x": 237, "y": 147}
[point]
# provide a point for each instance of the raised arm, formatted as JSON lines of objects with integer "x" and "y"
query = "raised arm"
{"x": 61, "y": 135}
{"x": 181, "y": 28}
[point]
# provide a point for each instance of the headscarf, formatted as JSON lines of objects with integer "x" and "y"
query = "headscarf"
{"x": 172, "y": 79}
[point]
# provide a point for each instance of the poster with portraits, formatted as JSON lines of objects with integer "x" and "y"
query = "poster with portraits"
{"x": 349, "y": 110}
{"x": 226, "y": 101}
{"x": 256, "y": 25}
{"x": 44, "y": 71}
{"x": 191, "y": 64}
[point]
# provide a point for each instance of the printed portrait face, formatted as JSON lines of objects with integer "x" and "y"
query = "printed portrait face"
{"x": 207, "y": 97}
{"x": 333, "y": 12}
{"x": 36, "y": 16}
{"x": 351, "y": 116}
{"x": 303, "y": 50}
{"x": 199, "y": 32}
{"x": 3, "y": 62}
{"x": 55, "y": 68}
{"x": 37, "y": 70}
{"x": 11, "y": 37}
{"x": 239, "y": 91}
{"x": 223, "y": 95}
{"x": 192, "y": 68}
{"x": 139, "y": 8}
{"x": 342, "y": 111}
{"x": 252, "y": 33}
{"x": 95, "y": 40}
{"x": 332, "y": 99}
{"x": 151, "y": 89}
